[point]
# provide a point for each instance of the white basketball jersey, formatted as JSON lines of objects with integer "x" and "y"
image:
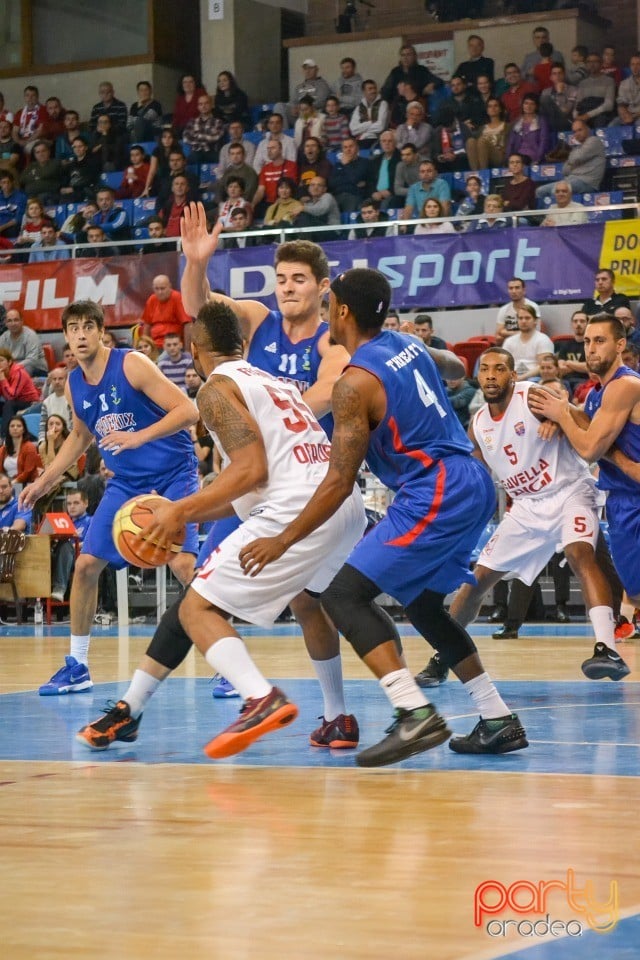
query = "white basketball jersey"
{"x": 525, "y": 465}
{"x": 297, "y": 447}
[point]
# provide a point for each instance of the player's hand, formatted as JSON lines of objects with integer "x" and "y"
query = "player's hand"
{"x": 548, "y": 430}
{"x": 257, "y": 554}
{"x": 166, "y": 527}
{"x": 198, "y": 245}
{"x": 547, "y": 405}
{"x": 30, "y": 494}
{"x": 119, "y": 440}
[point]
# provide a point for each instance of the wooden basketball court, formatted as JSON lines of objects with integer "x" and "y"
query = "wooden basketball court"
{"x": 151, "y": 850}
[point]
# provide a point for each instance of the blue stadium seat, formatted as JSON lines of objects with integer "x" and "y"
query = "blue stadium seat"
{"x": 545, "y": 171}
{"x": 602, "y": 199}
{"x": 140, "y": 233}
{"x": 127, "y": 206}
{"x": 207, "y": 173}
{"x": 612, "y": 138}
{"x": 32, "y": 421}
{"x": 460, "y": 179}
{"x": 148, "y": 146}
{"x": 254, "y": 136}
{"x": 113, "y": 179}
{"x": 143, "y": 208}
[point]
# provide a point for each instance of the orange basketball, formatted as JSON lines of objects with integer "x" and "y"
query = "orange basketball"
{"x": 128, "y": 523}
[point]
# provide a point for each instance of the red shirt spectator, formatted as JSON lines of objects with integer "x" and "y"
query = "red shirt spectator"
{"x": 186, "y": 105}
{"x": 511, "y": 99}
{"x": 164, "y": 313}
{"x": 272, "y": 173}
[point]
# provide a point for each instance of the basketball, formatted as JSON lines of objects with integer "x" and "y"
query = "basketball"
{"x": 129, "y": 522}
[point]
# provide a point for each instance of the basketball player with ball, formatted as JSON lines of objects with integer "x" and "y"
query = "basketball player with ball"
{"x": 139, "y": 420}
{"x": 275, "y": 454}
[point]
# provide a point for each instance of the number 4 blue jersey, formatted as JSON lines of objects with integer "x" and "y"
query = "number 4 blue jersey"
{"x": 419, "y": 427}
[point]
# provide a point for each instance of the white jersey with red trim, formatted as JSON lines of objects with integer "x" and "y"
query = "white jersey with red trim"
{"x": 525, "y": 465}
{"x": 297, "y": 447}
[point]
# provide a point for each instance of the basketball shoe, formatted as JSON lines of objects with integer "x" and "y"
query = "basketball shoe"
{"x": 625, "y": 630}
{"x": 223, "y": 689}
{"x": 412, "y": 731}
{"x": 433, "y": 674}
{"x": 340, "y": 733}
{"x": 492, "y": 736}
{"x": 605, "y": 664}
{"x": 116, "y": 724}
{"x": 257, "y": 717}
{"x": 72, "y": 678}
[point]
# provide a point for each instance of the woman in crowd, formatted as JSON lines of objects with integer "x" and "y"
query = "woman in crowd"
{"x": 186, "y": 105}
{"x": 229, "y": 101}
{"x": 489, "y": 148}
{"x": 147, "y": 346}
{"x": 17, "y": 389}
{"x": 286, "y": 207}
{"x": 529, "y": 134}
{"x": 484, "y": 87}
{"x": 472, "y": 203}
{"x": 159, "y": 163}
{"x": 134, "y": 178}
{"x": 57, "y": 432}
{"x": 31, "y": 226}
{"x": 433, "y": 213}
{"x": 493, "y": 207}
{"x": 19, "y": 456}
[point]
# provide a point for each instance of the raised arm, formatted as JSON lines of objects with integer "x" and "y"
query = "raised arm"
{"x": 353, "y": 402}
{"x": 198, "y": 246}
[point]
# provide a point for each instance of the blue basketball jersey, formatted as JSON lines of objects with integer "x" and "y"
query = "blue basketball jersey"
{"x": 420, "y": 426}
{"x": 271, "y": 350}
{"x": 628, "y": 440}
{"x": 114, "y": 404}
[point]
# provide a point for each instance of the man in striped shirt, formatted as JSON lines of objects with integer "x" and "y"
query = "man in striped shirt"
{"x": 175, "y": 361}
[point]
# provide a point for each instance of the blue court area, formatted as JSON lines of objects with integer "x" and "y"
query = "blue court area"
{"x": 617, "y": 945}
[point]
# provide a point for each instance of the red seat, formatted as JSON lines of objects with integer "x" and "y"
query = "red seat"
{"x": 470, "y": 350}
{"x": 49, "y": 355}
{"x": 487, "y": 337}
{"x": 562, "y": 337}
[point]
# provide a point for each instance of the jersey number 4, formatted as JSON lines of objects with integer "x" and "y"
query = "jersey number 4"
{"x": 299, "y": 417}
{"x": 427, "y": 395}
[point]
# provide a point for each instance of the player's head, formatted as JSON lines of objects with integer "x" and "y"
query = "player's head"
{"x": 83, "y": 310}
{"x": 496, "y": 374}
{"x": 604, "y": 341}
{"x": 216, "y": 334}
{"x": 362, "y": 294}
{"x": 302, "y": 278}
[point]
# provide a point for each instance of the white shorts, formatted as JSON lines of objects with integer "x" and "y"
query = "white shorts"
{"x": 310, "y": 564}
{"x": 537, "y": 527}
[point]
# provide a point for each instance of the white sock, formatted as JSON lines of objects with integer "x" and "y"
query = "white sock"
{"x": 142, "y": 688}
{"x": 486, "y": 698}
{"x": 230, "y": 657}
{"x": 402, "y": 690}
{"x": 329, "y": 674}
{"x": 79, "y": 648}
{"x": 603, "y": 625}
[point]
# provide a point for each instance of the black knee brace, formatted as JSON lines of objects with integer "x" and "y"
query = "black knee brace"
{"x": 349, "y": 601}
{"x": 429, "y": 617}
{"x": 170, "y": 644}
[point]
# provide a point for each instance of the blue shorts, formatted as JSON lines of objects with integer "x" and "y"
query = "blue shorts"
{"x": 623, "y": 515}
{"x": 220, "y": 530}
{"x": 99, "y": 539}
{"x": 429, "y": 533}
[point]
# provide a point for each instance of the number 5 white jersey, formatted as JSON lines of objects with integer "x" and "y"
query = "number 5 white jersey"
{"x": 297, "y": 447}
{"x": 525, "y": 465}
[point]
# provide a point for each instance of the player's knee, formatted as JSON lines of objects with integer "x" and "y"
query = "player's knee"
{"x": 87, "y": 570}
{"x": 580, "y": 556}
{"x": 349, "y": 601}
{"x": 183, "y": 566}
{"x": 170, "y": 643}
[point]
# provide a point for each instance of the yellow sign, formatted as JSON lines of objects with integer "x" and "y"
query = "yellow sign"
{"x": 621, "y": 253}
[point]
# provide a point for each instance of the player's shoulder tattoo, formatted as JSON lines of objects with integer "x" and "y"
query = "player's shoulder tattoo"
{"x": 222, "y": 416}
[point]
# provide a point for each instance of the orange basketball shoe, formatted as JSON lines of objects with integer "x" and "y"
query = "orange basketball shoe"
{"x": 257, "y": 717}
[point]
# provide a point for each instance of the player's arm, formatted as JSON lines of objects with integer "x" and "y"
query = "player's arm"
{"x": 223, "y": 410}
{"x": 353, "y": 403}
{"x": 594, "y": 442}
{"x": 624, "y": 463}
{"x": 74, "y": 446}
{"x": 181, "y": 412}
{"x": 334, "y": 359}
{"x": 476, "y": 452}
{"x": 449, "y": 365}
{"x": 198, "y": 246}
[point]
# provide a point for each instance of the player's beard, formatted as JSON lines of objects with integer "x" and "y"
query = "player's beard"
{"x": 600, "y": 367}
{"x": 498, "y": 397}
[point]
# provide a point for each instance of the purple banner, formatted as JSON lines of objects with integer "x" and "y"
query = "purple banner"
{"x": 448, "y": 270}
